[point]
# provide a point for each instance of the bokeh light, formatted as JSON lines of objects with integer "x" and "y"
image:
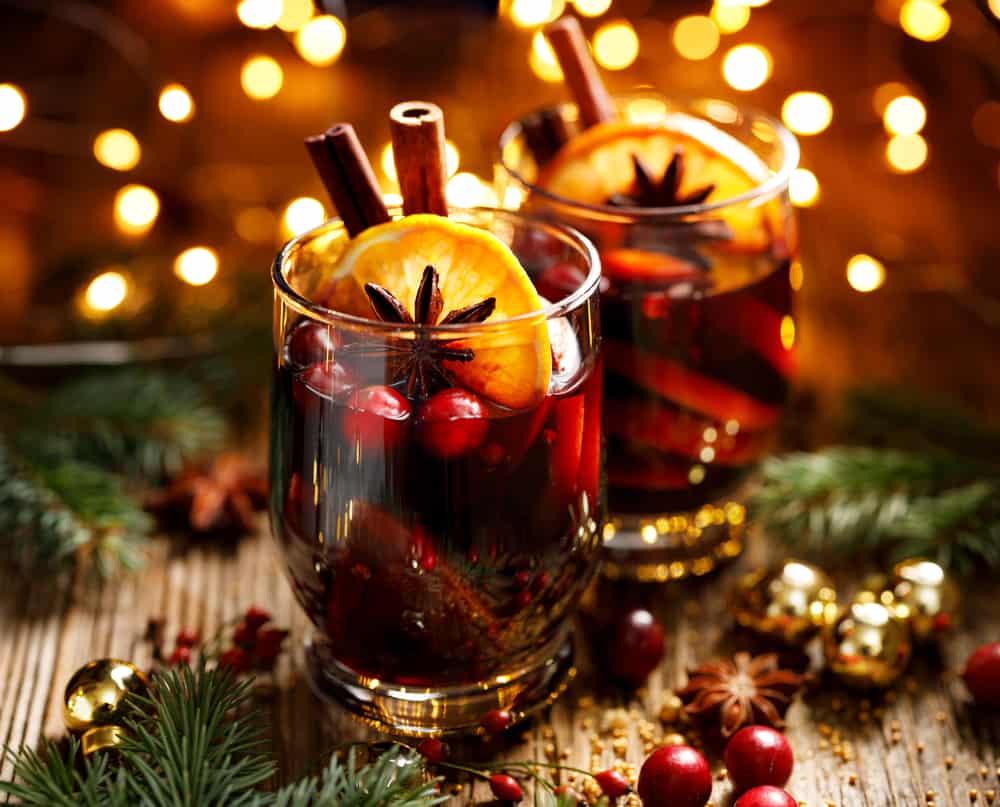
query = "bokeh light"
{"x": 865, "y": 273}
{"x": 303, "y": 214}
{"x": 787, "y": 332}
{"x": 807, "y": 113}
{"x": 616, "y": 45}
{"x": 696, "y": 37}
{"x": 117, "y": 149}
{"x": 747, "y": 67}
{"x": 258, "y": 225}
{"x": 796, "y": 275}
{"x": 321, "y": 40}
{"x": 136, "y": 209}
{"x": 176, "y": 103}
{"x": 261, "y": 77}
{"x": 13, "y": 107}
{"x": 592, "y": 8}
{"x": 259, "y": 13}
{"x": 995, "y": 8}
{"x": 986, "y": 123}
{"x": 295, "y": 14}
{"x": 197, "y": 265}
{"x": 451, "y": 160}
{"x": 529, "y": 13}
{"x": 803, "y": 188}
{"x": 924, "y": 20}
{"x": 468, "y": 190}
{"x": 543, "y": 59}
{"x": 904, "y": 115}
{"x": 106, "y": 292}
{"x": 645, "y": 110}
{"x": 885, "y": 93}
{"x": 906, "y": 153}
{"x": 730, "y": 18}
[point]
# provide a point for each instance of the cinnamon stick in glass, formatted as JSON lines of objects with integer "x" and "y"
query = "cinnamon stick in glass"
{"x": 579, "y": 71}
{"x": 418, "y": 147}
{"x": 348, "y": 176}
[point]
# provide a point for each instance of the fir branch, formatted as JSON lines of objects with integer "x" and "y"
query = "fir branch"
{"x": 51, "y": 778}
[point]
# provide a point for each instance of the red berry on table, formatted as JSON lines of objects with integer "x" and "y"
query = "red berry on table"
{"x": 328, "y": 380}
{"x": 452, "y": 422}
{"x": 267, "y": 646}
{"x": 310, "y": 343}
{"x": 505, "y": 787}
{"x": 766, "y": 796}
{"x": 759, "y": 755}
{"x": 235, "y": 659}
{"x": 181, "y": 655}
{"x": 612, "y": 783}
{"x": 376, "y": 417}
{"x": 564, "y": 793}
{"x": 675, "y": 776}
{"x": 187, "y": 637}
{"x": 495, "y": 721}
{"x": 255, "y": 617}
{"x": 636, "y": 647}
{"x": 982, "y": 674}
{"x": 244, "y": 635}
{"x": 431, "y": 749}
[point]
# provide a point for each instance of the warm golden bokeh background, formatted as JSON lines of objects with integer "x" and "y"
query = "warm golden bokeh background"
{"x": 152, "y": 151}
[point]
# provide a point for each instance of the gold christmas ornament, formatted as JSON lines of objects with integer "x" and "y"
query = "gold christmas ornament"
{"x": 789, "y": 602}
{"x": 869, "y": 645}
{"x": 92, "y": 703}
{"x": 930, "y": 597}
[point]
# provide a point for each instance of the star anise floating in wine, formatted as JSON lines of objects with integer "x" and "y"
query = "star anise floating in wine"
{"x": 665, "y": 192}
{"x": 745, "y": 690}
{"x": 423, "y": 356}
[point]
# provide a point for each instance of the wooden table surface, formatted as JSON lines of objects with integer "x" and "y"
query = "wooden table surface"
{"x": 893, "y": 750}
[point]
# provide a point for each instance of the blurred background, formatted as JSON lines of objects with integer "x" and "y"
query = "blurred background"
{"x": 151, "y": 157}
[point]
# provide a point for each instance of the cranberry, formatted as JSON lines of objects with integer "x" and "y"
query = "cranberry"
{"x": 255, "y": 617}
{"x": 310, "y": 343}
{"x": 328, "y": 381}
{"x": 267, "y": 646}
{"x": 187, "y": 638}
{"x": 758, "y": 755}
{"x": 636, "y": 647}
{"x": 244, "y": 635}
{"x": 181, "y": 655}
{"x": 982, "y": 674}
{"x": 675, "y": 776}
{"x": 766, "y": 796}
{"x": 495, "y": 721}
{"x": 431, "y": 749}
{"x": 235, "y": 659}
{"x": 452, "y": 423}
{"x": 612, "y": 783}
{"x": 566, "y": 793}
{"x": 505, "y": 787}
{"x": 376, "y": 417}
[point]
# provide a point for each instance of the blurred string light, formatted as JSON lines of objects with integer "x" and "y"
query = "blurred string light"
{"x": 924, "y": 20}
{"x": 747, "y": 67}
{"x": 796, "y": 275}
{"x": 645, "y": 110}
{"x": 616, "y": 45}
{"x": 136, "y": 209}
{"x": 261, "y": 77}
{"x": 13, "y": 107}
{"x": 730, "y": 18}
{"x": 321, "y": 40}
{"x": 105, "y": 292}
{"x": 303, "y": 214}
{"x": 594, "y": 8}
{"x": 787, "y": 332}
{"x": 117, "y": 149}
{"x": 259, "y": 13}
{"x": 906, "y": 153}
{"x": 176, "y": 103}
{"x": 258, "y": 225}
{"x": 197, "y": 266}
{"x": 885, "y": 93}
{"x": 803, "y": 188}
{"x": 865, "y": 273}
{"x": 986, "y": 123}
{"x": 530, "y": 13}
{"x": 451, "y": 160}
{"x": 807, "y": 113}
{"x": 696, "y": 37}
{"x": 295, "y": 14}
{"x": 468, "y": 190}
{"x": 543, "y": 59}
{"x": 904, "y": 115}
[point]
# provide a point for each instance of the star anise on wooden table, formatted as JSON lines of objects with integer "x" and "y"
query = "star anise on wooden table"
{"x": 422, "y": 356}
{"x": 665, "y": 192}
{"x": 223, "y": 496}
{"x": 743, "y": 691}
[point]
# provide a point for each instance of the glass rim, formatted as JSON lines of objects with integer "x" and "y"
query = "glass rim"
{"x": 331, "y": 316}
{"x": 773, "y": 185}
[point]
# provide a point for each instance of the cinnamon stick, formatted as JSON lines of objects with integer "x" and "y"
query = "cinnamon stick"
{"x": 418, "y": 149}
{"x": 348, "y": 176}
{"x": 579, "y": 71}
{"x": 545, "y": 132}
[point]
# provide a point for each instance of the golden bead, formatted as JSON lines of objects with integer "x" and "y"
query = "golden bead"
{"x": 674, "y": 739}
{"x": 789, "y": 602}
{"x": 869, "y": 645}
{"x": 930, "y": 596}
{"x": 92, "y": 702}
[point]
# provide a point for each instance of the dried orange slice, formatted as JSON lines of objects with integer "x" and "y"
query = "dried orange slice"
{"x": 512, "y": 365}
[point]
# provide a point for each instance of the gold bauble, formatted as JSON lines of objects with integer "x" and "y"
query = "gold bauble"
{"x": 869, "y": 645}
{"x": 92, "y": 703}
{"x": 789, "y": 602}
{"x": 930, "y": 597}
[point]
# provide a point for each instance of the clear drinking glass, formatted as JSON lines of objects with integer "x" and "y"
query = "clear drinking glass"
{"x": 698, "y": 332}
{"x": 439, "y": 561}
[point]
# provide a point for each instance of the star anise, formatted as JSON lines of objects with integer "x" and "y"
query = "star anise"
{"x": 665, "y": 192}
{"x": 223, "y": 496}
{"x": 743, "y": 691}
{"x": 423, "y": 356}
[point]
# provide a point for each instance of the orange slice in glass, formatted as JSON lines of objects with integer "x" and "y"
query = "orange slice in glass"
{"x": 511, "y": 365}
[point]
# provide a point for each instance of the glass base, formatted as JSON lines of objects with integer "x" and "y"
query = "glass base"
{"x": 445, "y": 711}
{"x": 655, "y": 549}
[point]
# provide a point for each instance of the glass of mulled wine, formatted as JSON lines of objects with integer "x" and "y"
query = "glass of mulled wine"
{"x": 438, "y": 540}
{"x": 688, "y": 206}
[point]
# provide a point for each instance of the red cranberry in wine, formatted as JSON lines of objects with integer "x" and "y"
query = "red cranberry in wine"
{"x": 310, "y": 343}
{"x": 452, "y": 422}
{"x": 495, "y": 721}
{"x": 635, "y": 647}
{"x": 329, "y": 381}
{"x": 376, "y": 417}
{"x": 766, "y": 796}
{"x": 982, "y": 674}
{"x": 431, "y": 749}
{"x": 759, "y": 755}
{"x": 675, "y": 776}
{"x": 612, "y": 783}
{"x": 505, "y": 787}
